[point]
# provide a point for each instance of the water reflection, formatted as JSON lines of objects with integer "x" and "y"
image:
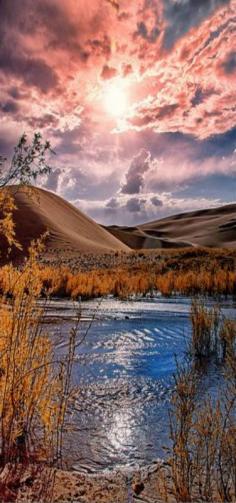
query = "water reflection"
{"x": 124, "y": 376}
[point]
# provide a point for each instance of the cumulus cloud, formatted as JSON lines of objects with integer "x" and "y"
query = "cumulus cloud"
{"x": 135, "y": 174}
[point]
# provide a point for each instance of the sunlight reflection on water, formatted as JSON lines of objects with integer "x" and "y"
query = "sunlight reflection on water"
{"x": 124, "y": 373}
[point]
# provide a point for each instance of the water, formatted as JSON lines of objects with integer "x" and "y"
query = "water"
{"x": 123, "y": 374}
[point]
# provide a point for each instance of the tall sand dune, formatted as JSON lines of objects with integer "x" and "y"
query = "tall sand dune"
{"x": 69, "y": 230}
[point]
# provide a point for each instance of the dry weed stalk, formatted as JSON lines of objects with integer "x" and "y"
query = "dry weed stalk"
{"x": 181, "y": 425}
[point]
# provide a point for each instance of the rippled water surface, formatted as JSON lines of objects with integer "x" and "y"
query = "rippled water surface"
{"x": 123, "y": 371}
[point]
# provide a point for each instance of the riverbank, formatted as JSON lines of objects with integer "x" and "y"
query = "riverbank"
{"x": 36, "y": 483}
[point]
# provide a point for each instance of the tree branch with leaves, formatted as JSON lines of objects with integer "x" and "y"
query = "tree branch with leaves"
{"x": 28, "y": 162}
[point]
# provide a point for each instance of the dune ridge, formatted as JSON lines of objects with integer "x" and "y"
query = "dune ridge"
{"x": 215, "y": 227}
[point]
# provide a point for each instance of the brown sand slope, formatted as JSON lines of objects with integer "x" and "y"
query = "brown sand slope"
{"x": 212, "y": 228}
{"x": 39, "y": 211}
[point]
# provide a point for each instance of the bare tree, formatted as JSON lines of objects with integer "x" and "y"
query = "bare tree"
{"x": 28, "y": 161}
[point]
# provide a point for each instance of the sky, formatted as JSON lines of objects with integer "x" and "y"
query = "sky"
{"x": 138, "y": 100}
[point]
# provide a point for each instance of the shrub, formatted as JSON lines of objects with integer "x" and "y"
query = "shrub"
{"x": 205, "y": 330}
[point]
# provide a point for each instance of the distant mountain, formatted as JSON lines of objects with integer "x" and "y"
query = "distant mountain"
{"x": 211, "y": 228}
{"x": 70, "y": 231}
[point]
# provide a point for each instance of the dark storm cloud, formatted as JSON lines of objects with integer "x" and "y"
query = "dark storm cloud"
{"x": 181, "y": 15}
{"x": 32, "y": 71}
{"x": 156, "y": 202}
{"x": 135, "y": 174}
{"x": 171, "y": 144}
{"x": 9, "y": 106}
{"x": 71, "y": 33}
{"x": 135, "y": 205}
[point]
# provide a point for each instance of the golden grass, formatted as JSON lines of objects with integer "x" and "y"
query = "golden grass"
{"x": 123, "y": 283}
{"x": 34, "y": 385}
{"x": 190, "y": 272}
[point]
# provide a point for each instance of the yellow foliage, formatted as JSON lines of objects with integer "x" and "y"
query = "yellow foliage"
{"x": 7, "y": 226}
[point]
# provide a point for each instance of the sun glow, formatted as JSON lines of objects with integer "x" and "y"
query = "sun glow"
{"x": 115, "y": 98}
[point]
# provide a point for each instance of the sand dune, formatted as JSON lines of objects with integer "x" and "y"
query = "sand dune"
{"x": 69, "y": 229}
{"x": 212, "y": 228}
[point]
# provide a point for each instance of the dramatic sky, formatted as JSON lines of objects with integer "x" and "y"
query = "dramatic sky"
{"x": 138, "y": 98}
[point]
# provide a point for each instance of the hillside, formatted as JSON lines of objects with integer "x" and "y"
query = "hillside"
{"x": 211, "y": 228}
{"x": 69, "y": 229}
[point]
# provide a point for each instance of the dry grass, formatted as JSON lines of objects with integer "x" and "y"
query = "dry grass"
{"x": 35, "y": 386}
{"x": 124, "y": 283}
{"x": 197, "y": 271}
{"x": 206, "y": 323}
{"x": 203, "y": 430}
